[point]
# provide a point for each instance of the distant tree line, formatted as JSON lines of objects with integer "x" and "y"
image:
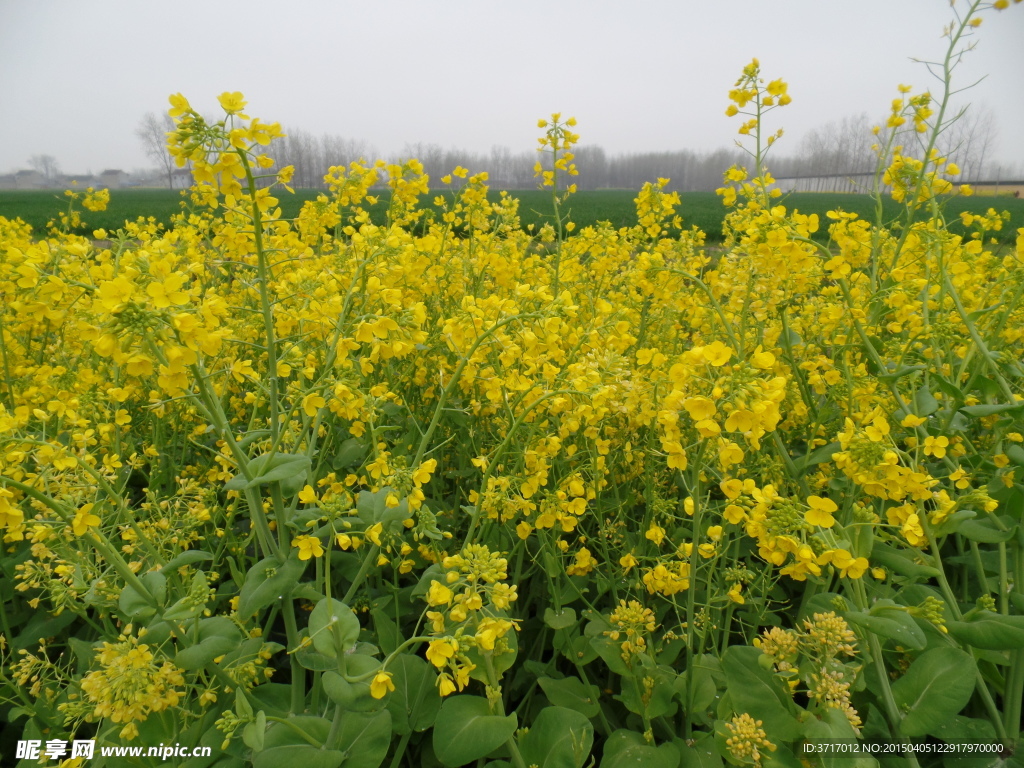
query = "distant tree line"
{"x": 835, "y": 148}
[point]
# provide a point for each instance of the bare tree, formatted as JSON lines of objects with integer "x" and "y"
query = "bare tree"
{"x": 838, "y": 147}
{"x": 152, "y": 132}
{"x": 46, "y": 165}
{"x": 969, "y": 140}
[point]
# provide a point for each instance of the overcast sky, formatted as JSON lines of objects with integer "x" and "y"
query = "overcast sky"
{"x": 76, "y": 77}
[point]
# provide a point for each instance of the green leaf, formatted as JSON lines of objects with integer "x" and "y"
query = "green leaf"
{"x": 558, "y": 738}
{"x": 299, "y": 756}
{"x": 254, "y": 734}
{"x": 284, "y": 747}
{"x": 901, "y": 562}
{"x": 819, "y": 456}
{"x": 937, "y": 686}
{"x": 186, "y": 558}
{"x": 704, "y": 690}
{"x": 350, "y": 453}
{"x": 611, "y": 652}
{"x": 659, "y": 702}
{"x": 371, "y": 505}
{"x": 1015, "y": 454}
{"x": 627, "y": 749}
{"x": 952, "y": 523}
{"x": 388, "y": 635}
{"x": 267, "y": 581}
{"x": 948, "y": 388}
{"x": 561, "y": 620}
{"x": 985, "y": 531}
{"x": 966, "y": 730}
{"x": 188, "y": 607}
{"x": 285, "y": 468}
{"x": 415, "y": 701}
{"x": 332, "y": 623}
{"x": 354, "y": 697}
{"x": 312, "y": 659}
{"x": 701, "y": 753}
{"x": 977, "y": 411}
{"x": 570, "y": 692}
{"x": 42, "y": 625}
{"x": 755, "y": 691}
{"x": 895, "y": 374}
{"x": 990, "y": 631}
{"x": 197, "y": 656}
{"x": 892, "y": 624}
{"x": 465, "y": 730}
{"x": 134, "y": 605}
{"x": 365, "y": 738}
{"x": 924, "y": 402}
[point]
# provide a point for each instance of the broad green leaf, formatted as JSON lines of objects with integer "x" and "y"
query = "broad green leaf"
{"x": 415, "y": 701}
{"x": 254, "y": 734}
{"x": 465, "y": 730}
{"x": 701, "y": 753}
{"x": 924, "y": 402}
{"x": 285, "y": 468}
{"x": 1014, "y": 453}
{"x": 952, "y": 523}
{"x": 388, "y": 635}
{"x": 627, "y": 749}
{"x": 948, "y": 388}
{"x": 891, "y": 623}
{"x": 985, "y": 532}
{"x": 197, "y": 656}
{"x": 966, "y": 729}
{"x": 659, "y": 702}
{"x": 899, "y": 373}
{"x": 333, "y": 627}
{"x": 819, "y": 456}
{"x": 611, "y": 652}
{"x": 990, "y": 631}
{"x": 755, "y": 691}
{"x": 704, "y": 690}
{"x": 354, "y": 697}
{"x": 572, "y": 693}
{"x": 267, "y": 581}
{"x": 42, "y": 625}
{"x": 561, "y": 620}
{"x": 284, "y": 747}
{"x": 937, "y": 686}
{"x": 364, "y": 738}
{"x": 350, "y": 453}
{"x": 134, "y": 605}
{"x": 299, "y": 756}
{"x": 312, "y": 659}
{"x": 188, "y": 607}
{"x": 558, "y": 738}
{"x": 901, "y": 563}
{"x": 186, "y": 558}
{"x": 978, "y": 411}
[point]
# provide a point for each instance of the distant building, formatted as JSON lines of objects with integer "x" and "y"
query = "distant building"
{"x": 112, "y": 179}
{"x": 181, "y": 178}
{"x": 23, "y": 180}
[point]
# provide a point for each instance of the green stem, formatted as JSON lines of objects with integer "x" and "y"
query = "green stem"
{"x": 110, "y": 554}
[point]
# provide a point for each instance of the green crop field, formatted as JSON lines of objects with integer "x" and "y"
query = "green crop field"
{"x": 701, "y": 209}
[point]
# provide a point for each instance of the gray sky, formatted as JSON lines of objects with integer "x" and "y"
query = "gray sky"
{"x": 76, "y": 77}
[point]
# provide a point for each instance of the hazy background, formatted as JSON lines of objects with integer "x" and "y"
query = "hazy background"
{"x": 76, "y": 78}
